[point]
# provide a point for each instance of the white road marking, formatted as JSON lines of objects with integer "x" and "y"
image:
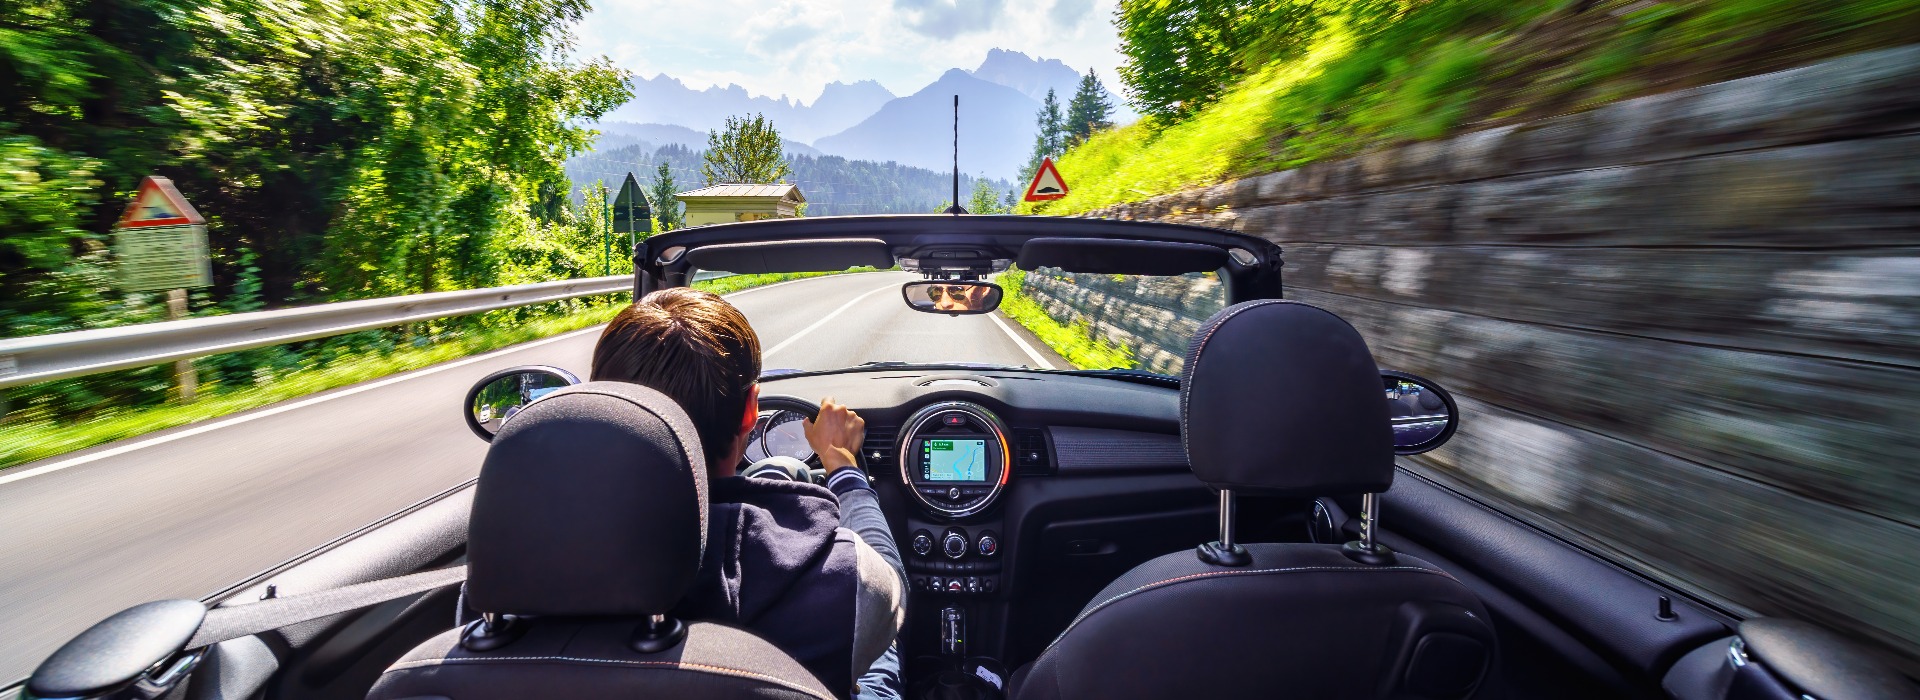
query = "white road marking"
{"x": 12, "y": 476}
{"x": 277, "y": 410}
{"x": 1041, "y": 362}
{"x": 823, "y": 321}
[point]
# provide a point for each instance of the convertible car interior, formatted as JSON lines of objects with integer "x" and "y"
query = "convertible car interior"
{"x": 1246, "y": 529}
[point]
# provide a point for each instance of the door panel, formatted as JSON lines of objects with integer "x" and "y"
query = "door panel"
{"x": 1561, "y": 609}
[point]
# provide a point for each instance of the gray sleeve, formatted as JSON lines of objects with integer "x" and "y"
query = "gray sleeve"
{"x": 879, "y": 607}
{"x": 860, "y": 512}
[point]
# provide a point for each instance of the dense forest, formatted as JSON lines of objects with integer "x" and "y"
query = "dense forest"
{"x": 832, "y": 185}
{"x": 339, "y": 151}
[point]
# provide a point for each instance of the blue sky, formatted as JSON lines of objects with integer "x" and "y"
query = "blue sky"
{"x": 796, "y": 47}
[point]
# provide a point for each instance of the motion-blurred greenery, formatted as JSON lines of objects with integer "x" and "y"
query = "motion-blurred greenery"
{"x": 1075, "y": 343}
{"x": 1239, "y": 87}
{"x": 278, "y": 373}
{"x": 339, "y": 151}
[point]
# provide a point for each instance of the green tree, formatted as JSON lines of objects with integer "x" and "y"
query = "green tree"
{"x": 985, "y": 199}
{"x": 365, "y": 148}
{"x": 748, "y": 150}
{"x": 1050, "y": 138}
{"x": 1182, "y": 54}
{"x": 666, "y": 209}
{"x": 1088, "y": 111}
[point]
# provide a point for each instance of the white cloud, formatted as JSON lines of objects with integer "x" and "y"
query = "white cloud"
{"x": 796, "y": 47}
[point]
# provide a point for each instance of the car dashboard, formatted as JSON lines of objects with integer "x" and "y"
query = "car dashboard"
{"x": 1015, "y": 495}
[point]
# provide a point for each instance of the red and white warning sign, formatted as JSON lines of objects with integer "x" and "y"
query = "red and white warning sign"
{"x": 158, "y": 203}
{"x": 161, "y": 241}
{"x": 1046, "y": 183}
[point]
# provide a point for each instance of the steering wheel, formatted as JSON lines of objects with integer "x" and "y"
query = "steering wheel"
{"x": 780, "y": 432}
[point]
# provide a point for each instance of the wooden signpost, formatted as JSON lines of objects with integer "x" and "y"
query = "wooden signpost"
{"x": 160, "y": 243}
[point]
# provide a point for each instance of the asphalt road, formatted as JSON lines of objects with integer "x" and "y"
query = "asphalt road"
{"x": 186, "y": 512}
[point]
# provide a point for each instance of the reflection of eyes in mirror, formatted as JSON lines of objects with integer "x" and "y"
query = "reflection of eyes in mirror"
{"x": 958, "y": 297}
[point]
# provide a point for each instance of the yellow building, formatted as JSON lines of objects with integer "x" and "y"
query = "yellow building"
{"x": 717, "y": 204}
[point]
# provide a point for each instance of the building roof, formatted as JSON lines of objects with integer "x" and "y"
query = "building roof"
{"x": 781, "y": 190}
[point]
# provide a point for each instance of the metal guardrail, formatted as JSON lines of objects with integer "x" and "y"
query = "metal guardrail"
{"x": 60, "y": 355}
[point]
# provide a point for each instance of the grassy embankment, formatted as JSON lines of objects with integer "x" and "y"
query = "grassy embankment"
{"x": 1075, "y": 342}
{"x": 1453, "y": 66}
{"x": 27, "y": 441}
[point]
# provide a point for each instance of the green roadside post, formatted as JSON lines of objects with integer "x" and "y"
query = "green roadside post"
{"x": 606, "y": 240}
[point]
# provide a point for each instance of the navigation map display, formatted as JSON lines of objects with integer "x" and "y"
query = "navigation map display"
{"x": 953, "y": 460}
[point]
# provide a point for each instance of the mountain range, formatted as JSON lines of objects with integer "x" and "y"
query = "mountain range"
{"x": 865, "y": 121}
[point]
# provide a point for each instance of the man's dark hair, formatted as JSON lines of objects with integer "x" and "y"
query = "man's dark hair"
{"x": 692, "y": 346}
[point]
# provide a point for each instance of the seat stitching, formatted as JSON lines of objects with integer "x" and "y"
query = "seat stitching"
{"x": 1202, "y": 347}
{"x": 1215, "y": 574}
{"x": 722, "y": 670}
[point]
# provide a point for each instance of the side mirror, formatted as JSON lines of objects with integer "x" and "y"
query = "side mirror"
{"x": 952, "y": 296}
{"x": 1424, "y": 415}
{"x": 502, "y": 394}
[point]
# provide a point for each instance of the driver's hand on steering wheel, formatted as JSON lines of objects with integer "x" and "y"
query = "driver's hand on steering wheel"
{"x": 836, "y": 435}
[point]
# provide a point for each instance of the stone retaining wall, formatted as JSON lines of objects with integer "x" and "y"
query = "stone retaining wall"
{"x": 1685, "y": 328}
{"x": 1152, "y": 316}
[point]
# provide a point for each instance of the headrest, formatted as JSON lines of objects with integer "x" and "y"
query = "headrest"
{"x": 1280, "y": 398}
{"x": 592, "y": 501}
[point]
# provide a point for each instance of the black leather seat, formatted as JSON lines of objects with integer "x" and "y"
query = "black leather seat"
{"x": 1280, "y": 399}
{"x": 588, "y": 525}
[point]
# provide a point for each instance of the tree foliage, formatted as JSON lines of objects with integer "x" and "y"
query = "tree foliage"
{"x": 1182, "y": 54}
{"x": 666, "y": 208}
{"x": 986, "y": 200}
{"x": 1050, "y": 138}
{"x": 1088, "y": 111}
{"x": 833, "y": 185}
{"x": 748, "y": 150}
{"x": 339, "y": 150}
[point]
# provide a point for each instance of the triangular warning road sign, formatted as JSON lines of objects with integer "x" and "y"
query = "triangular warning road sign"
{"x": 158, "y": 203}
{"x": 630, "y": 210}
{"x": 1046, "y": 183}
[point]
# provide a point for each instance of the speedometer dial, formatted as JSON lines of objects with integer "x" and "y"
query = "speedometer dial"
{"x": 779, "y": 434}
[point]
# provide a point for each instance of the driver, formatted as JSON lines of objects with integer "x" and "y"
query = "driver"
{"x": 958, "y": 297}
{"x": 812, "y": 570}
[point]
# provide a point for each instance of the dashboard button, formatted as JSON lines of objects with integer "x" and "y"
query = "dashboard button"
{"x": 988, "y": 544}
{"x": 954, "y": 544}
{"x": 954, "y": 493}
{"x": 936, "y": 584}
{"x": 986, "y": 584}
{"x": 954, "y": 586}
{"x": 922, "y": 542}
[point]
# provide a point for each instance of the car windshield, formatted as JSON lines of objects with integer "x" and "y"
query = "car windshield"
{"x": 1047, "y": 319}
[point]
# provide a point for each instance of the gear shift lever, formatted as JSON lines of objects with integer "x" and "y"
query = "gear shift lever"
{"x": 953, "y": 632}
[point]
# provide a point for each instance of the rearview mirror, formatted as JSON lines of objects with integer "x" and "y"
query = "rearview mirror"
{"x": 1423, "y": 414}
{"x": 952, "y": 296}
{"x": 502, "y": 394}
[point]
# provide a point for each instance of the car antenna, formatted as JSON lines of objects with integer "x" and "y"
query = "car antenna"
{"x": 956, "y": 208}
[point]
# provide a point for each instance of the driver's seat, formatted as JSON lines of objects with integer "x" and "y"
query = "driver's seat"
{"x": 1277, "y": 399}
{"x": 589, "y": 523}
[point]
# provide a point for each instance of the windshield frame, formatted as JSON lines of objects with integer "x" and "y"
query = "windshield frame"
{"x": 1252, "y": 270}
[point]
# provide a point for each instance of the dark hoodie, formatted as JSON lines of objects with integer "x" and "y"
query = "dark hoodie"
{"x": 778, "y": 564}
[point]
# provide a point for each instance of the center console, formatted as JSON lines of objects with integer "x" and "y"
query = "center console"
{"x": 955, "y": 462}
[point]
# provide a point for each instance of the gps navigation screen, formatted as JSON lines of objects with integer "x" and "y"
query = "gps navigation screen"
{"x": 953, "y": 460}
